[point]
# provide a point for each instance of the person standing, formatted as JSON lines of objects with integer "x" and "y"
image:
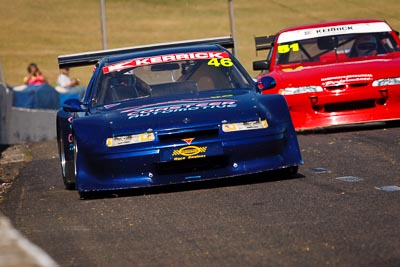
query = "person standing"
{"x": 35, "y": 76}
{"x": 64, "y": 80}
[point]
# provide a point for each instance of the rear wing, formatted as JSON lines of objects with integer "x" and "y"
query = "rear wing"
{"x": 264, "y": 42}
{"x": 91, "y": 58}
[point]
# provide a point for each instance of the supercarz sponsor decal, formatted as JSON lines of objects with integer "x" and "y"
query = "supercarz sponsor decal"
{"x": 164, "y": 58}
{"x": 178, "y": 106}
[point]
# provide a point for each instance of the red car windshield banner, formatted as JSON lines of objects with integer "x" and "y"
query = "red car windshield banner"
{"x": 162, "y": 59}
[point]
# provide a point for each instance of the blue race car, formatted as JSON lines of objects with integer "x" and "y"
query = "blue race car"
{"x": 171, "y": 113}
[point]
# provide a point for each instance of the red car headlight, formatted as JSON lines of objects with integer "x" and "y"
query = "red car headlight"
{"x": 386, "y": 81}
{"x": 300, "y": 90}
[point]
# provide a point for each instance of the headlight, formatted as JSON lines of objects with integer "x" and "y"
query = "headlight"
{"x": 387, "y": 81}
{"x": 242, "y": 126}
{"x": 130, "y": 139}
{"x": 300, "y": 90}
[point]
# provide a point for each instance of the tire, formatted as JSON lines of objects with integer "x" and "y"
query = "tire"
{"x": 83, "y": 195}
{"x": 392, "y": 124}
{"x": 68, "y": 166}
{"x": 290, "y": 171}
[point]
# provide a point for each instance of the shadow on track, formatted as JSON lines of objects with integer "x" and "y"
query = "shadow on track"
{"x": 270, "y": 176}
{"x": 352, "y": 127}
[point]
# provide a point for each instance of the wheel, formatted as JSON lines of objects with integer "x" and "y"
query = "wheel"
{"x": 85, "y": 195}
{"x": 290, "y": 171}
{"x": 392, "y": 124}
{"x": 68, "y": 166}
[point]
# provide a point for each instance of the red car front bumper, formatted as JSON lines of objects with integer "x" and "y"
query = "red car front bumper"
{"x": 341, "y": 107}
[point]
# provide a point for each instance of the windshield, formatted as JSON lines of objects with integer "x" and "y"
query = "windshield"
{"x": 335, "y": 48}
{"x": 168, "y": 75}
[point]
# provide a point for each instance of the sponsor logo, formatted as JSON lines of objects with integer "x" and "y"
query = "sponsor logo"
{"x": 178, "y": 106}
{"x": 162, "y": 59}
{"x": 346, "y": 79}
{"x": 111, "y": 105}
{"x": 188, "y": 140}
{"x": 308, "y": 32}
{"x": 336, "y": 29}
{"x": 297, "y": 35}
{"x": 189, "y": 152}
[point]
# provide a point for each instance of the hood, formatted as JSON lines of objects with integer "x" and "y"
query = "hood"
{"x": 170, "y": 115}
{"x": 339, "y": 73}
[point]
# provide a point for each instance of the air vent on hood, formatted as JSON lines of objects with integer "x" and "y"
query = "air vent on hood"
{"x": 195, "y": 133}
{"x": 336, "y": 87}
{"x": 344, "y": 86}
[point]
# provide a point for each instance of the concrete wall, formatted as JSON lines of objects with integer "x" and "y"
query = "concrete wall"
{"x": 5, "y": 109}
{"x": 22, "y": 125}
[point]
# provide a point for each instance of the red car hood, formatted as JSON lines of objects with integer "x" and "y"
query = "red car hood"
{"x": 348, "y": 72}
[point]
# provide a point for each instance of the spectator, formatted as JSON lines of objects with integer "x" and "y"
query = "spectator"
{"x": 35, "y": 76}
{"x": 65, "y": 81}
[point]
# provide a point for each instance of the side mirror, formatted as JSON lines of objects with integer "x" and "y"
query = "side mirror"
{"x": 261, "y": 65}
{"x": 73, "y": 105}
{"x": 266, "y": 82}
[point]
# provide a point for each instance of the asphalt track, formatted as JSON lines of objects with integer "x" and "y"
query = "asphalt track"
{"x": 341, "y": 210}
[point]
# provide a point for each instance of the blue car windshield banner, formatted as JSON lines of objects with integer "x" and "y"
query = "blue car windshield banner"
{"x": 163, "y": 59}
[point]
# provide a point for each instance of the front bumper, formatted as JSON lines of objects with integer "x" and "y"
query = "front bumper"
{"x": 149, "y": 167}
{"x": 333, "y": 108}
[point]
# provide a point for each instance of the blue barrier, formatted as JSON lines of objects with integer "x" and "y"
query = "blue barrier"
{"x": 72, "y": 93}
{"x": 44, "y": 97}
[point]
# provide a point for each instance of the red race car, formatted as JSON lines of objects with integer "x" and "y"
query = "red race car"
{"x": 334, "y": 73}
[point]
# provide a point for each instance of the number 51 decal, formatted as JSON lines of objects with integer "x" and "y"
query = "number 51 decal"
{"x": 282, "y": 49}
{"x": 225, "y": 62}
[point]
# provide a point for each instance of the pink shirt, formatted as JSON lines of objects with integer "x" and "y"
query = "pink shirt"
{"x": 36, "y": 80}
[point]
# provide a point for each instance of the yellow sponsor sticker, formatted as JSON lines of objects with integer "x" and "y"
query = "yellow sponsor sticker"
{"x": 189, "y": 152}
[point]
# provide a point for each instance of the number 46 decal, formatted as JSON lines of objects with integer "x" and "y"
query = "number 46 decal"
{"x": 282, "y": 49}
{"x": 225, "y": 62}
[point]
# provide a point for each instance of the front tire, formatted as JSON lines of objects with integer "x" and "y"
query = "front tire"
{"x": 68, "y": 166}
{"x": 392, "y": 124}
{"x": 290, "y": 171}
